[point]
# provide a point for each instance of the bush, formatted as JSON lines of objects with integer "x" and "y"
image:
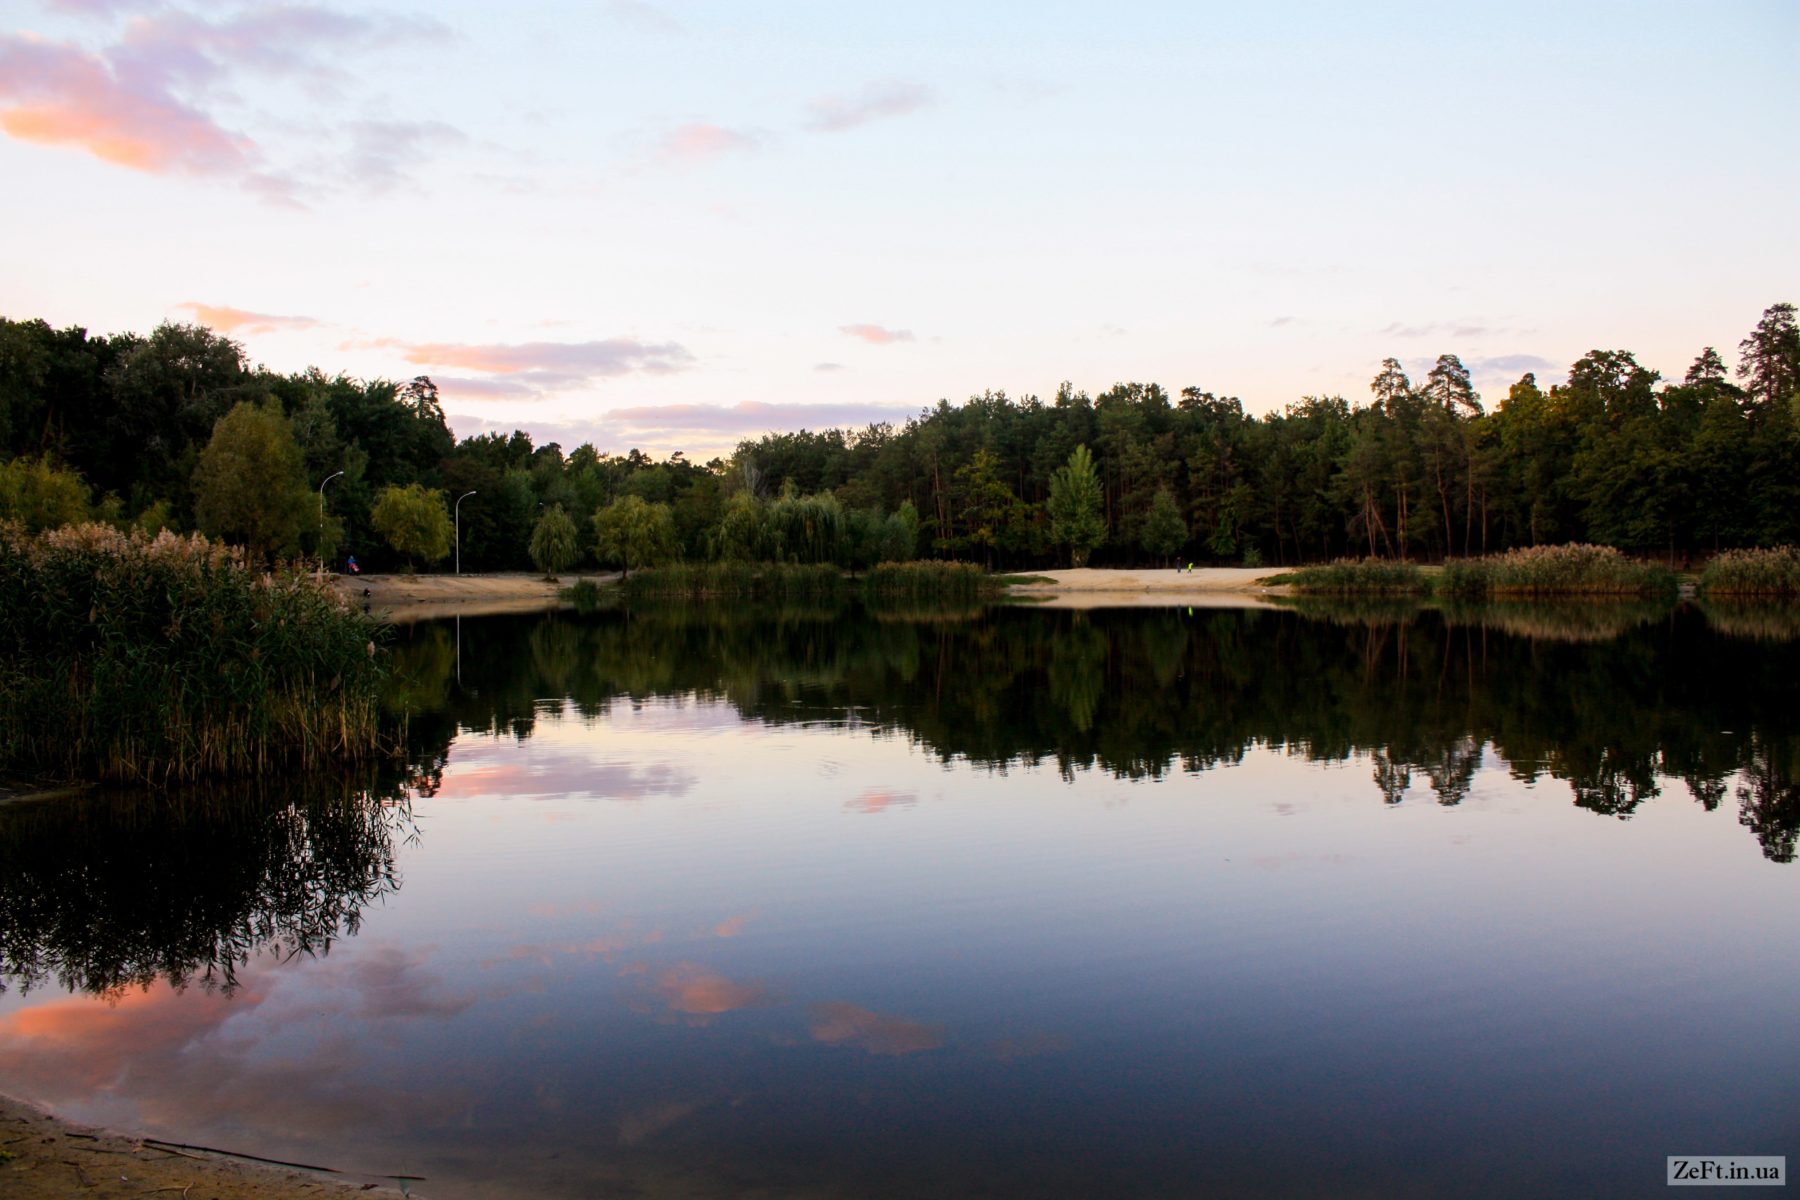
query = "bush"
{"x": 1567, "y": 570}
{"x": 1771, "y": 572}
{"x": 130, "y": 658}
{"x": 1358, "y": 577}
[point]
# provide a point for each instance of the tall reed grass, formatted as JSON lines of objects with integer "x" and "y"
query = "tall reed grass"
{"x": 137, "y": 659}
{"x": 1567, "y": 570}
{"x": 1357, "y": 577}
{"x": 1771, "y": 572}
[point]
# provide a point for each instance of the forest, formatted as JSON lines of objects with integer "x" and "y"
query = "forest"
{"x": 178, "y": 430}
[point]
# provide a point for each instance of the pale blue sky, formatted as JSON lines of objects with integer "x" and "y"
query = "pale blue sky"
{"x": 670, "y": 224}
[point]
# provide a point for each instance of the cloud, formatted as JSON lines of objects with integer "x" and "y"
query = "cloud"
{"x": 839, "y": 1024}
{"x": 143, "y": 102}
{"x": 828, "y": 366}
{"x": 884, "y": 98}
{"x": 875, "y": 800}
{"x": 731, "y": 927}
{"x": 699, "y": 141}
{"x": 383, "y": 154}
{"x": 527, "y": 369}
{"x": 694, "y": 991}
{"x": 56, "y": 95}
{"x": 751, "y": 416}
{"x": 876, "y": 335}
{"x": 224, "y": 319}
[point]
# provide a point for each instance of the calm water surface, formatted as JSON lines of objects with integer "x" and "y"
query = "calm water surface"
{"x": 1151, "y": 903}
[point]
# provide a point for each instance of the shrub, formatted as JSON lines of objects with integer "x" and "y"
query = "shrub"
{"x": 1568, "y": 570}
{"x": 1771, "y": 572}
{"x": 125, "y": 657}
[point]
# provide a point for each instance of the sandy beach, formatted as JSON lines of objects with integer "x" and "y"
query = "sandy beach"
{"x": 44, "y": 1158}
{"x": 422, "y": 597}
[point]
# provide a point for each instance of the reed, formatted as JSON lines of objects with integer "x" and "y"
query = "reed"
{"x": 155, "y": 660}
{"x": 1567, "y": 570}
{"x": 1771, "y": 572}
{"x": 1356, "y": 577}
{"x": 933, "y": 581}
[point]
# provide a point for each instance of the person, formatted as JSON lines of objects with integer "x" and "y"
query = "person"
{"x": 354, "y": 569}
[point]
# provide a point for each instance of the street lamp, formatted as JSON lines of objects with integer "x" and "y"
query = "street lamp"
{"x": 458, "y": 511}
{"x": 322, "y": 484}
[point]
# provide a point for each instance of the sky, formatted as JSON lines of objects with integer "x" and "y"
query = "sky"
{"x": 674, "y": 224}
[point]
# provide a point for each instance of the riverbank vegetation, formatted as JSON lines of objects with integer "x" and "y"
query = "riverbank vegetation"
{"x": 1767, "y": 572}
{"x": 1535, "y": 571}
{"x": 130, "y": 658}
{"x": 1424, "y": 468}
{"x": 925, "y": 582}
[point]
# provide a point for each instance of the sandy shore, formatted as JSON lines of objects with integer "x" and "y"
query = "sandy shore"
{"x": 422, "y": 597}
{"x": 44, "y": 1158}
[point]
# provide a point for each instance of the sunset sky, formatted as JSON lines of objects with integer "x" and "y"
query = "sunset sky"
{"x": 672, "y": 223}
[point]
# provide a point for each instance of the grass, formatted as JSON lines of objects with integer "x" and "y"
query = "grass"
{"x": 1355, "y": 577}
{"x": 1771, "y": 572}
{"x": 1567, "y": 570}
{"x": 131, "y": 659}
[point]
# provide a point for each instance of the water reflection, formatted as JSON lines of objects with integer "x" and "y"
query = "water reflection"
{"x": 1611, "y": 699}
{"x": 117, "y": 890}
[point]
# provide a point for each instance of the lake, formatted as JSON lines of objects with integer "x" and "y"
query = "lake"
{"x": 1356, "y": 901}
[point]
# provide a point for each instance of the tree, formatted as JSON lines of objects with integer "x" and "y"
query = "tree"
{"x": 632, "y": 533}
{"x": 1074, "y": 506}
{"x": 555, "y": 545}
{"x": 414, "y": 522}
{"x": 1164, "y": 530}
{"x": 39, "y": 496}
{"x": 1770, "y": 357}
{"x": 249, "y": 485}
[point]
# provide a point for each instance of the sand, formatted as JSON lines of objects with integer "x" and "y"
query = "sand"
{"x": 44, "y": 1158}
{"x": 422, "y": 597}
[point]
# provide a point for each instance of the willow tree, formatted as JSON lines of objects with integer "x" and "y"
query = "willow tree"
{"x": 634, "y": 534}
{"x": 555, "y": 544}
{"x": 414, "y": 521}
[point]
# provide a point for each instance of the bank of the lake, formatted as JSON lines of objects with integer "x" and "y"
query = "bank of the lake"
{"x": 45, "y": 1158}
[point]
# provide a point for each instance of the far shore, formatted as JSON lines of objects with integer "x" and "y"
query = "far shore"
{"x": 404, "y": 598}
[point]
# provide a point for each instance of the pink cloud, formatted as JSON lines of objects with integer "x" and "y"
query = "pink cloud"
{"x": 695, "y": 991}
{"x": 839, "y": 1024}
{"x": 699, "y": 141}
{"x": 551, "y": 363}
{"x": 59, "y": 96}
{"x": 885, "y": 98}
{"x": 875, "y": 800}
{"x": 751, "y": 416}
{"x": 876, "y": 335}
{"x": 225, "y": 319}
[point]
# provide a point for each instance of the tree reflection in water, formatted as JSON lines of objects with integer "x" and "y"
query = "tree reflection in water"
{"x": 1613, "y": 699}
{"x": 110, "y": 891}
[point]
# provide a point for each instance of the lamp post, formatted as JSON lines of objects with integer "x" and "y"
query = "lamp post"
{"x": 458, "y": 511}
{"x": 322, "y": 484}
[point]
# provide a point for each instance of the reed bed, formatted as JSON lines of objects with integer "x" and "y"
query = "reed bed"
{"x": 1771, "y": 572}
{"x": 1567, "y": 570}
{"x": 934, "y": 581}
{"x": 737, "y": 580}
{"x": 1357, "y": 577}
{"x": 127, "y": 658}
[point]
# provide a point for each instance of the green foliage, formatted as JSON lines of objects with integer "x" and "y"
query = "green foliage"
{"x": 154, "y": 660}
{"x": 631, "y": 533}
{"x": 1771, "y": 572}
{"x": 249, "y": 486}
{"x": 933, "y": 581}
{"x": 1570, "y": 570}
{"x": 1074, "y": 506}
{"x": 414, "y": 522}
{"x": 555, "y": 544}
{"x": 739, "y": 580}
{"x": 1164, "y": 530}
{"x": 38, "y": 495}
{"x": 1358, "y": 577}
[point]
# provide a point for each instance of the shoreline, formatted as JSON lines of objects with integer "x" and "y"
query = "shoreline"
{"x": 407, "y": 598}
{"x": 45, "y": 1157}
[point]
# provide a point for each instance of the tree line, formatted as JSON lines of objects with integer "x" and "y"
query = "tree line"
{"x": 177, "y": 429}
